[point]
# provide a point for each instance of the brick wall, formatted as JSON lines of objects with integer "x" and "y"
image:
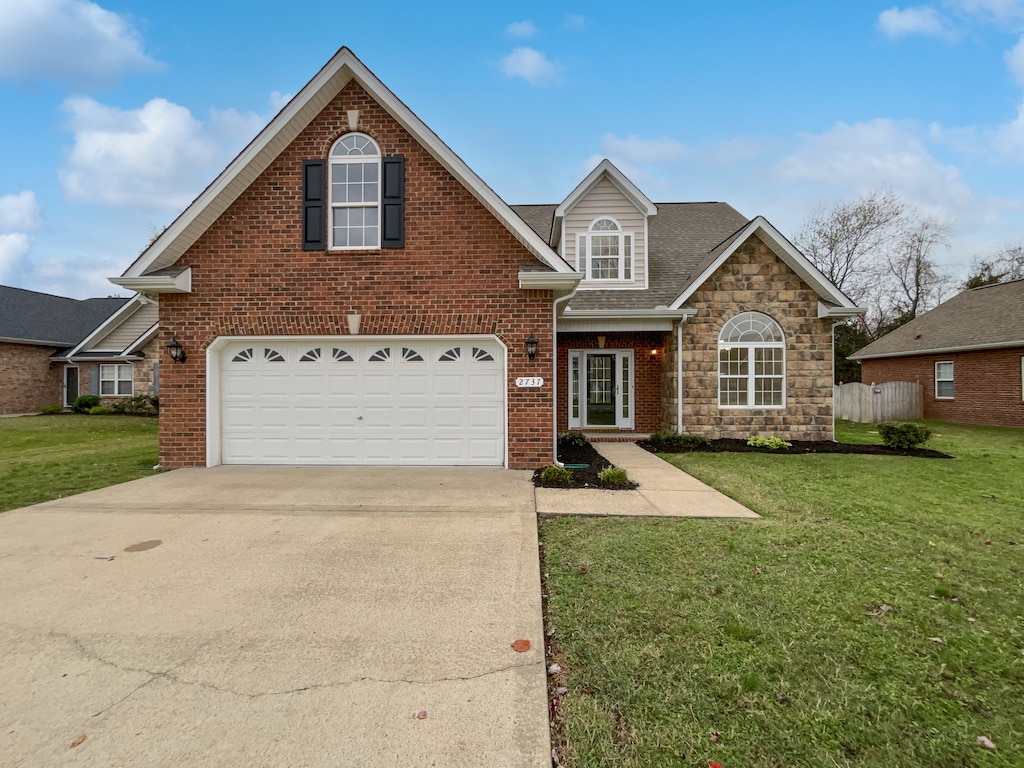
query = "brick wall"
{"x": 27, "y": 381}
{"x": 986, "y": 384}
{"x": 754, "y": 279}
{"x": 647, "y": 374}
{"x": 456, "y": 275}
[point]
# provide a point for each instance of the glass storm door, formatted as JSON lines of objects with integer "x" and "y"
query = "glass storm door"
{"x": 70, "y": 385}
{"x": 601, "y": 389}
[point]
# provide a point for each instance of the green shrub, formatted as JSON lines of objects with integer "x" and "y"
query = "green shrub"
{"x": 52, "y": 409}
{"x": 100, "y": 410}
{"x": 553, "y": 473}
{"x": 84, "y": 403}
{"x": 773, "y": 443}
{"x": 668, "y": 441}
{"x": 904, "y": 436}
{"x": 613, "y": 476}
{"x": 572, "y": 440}
{"x": 139, "y": 405}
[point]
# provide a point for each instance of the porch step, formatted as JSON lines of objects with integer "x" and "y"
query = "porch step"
{"x": 616, "y": 437}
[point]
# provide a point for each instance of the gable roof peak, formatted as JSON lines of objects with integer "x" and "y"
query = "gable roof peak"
{"x": 607, "y": 170}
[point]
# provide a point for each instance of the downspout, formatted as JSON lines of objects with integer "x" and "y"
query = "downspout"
{"x": 554, "y": 372}
{"x": 834, "y": 381}
{"x": 679, "y": 376}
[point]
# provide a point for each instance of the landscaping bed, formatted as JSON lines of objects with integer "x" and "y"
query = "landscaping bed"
{"x": 736, "y": 445}
{"x": 585, "y": 477}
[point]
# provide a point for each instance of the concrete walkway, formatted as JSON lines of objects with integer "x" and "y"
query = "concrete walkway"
{"x": 665, "y": 491}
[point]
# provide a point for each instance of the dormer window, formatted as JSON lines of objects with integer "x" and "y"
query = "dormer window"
{"x": 355, "y": 192}
{"x": 605, "y": 252}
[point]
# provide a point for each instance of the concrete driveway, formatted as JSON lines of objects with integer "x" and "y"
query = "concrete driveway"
{"x": 275, "y": 617}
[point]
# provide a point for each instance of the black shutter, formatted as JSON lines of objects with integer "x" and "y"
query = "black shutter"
{"x": 314, "y": 221}
{"x": 393, "y": 203}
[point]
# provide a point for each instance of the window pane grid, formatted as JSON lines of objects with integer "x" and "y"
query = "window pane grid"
{"x": 751, "y": 362}
{"x": 355, "y": 193}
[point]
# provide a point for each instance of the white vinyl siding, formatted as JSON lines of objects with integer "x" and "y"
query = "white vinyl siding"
{"x": 604, "y": 199}
{"x": 944, "y": 380}
{"x": 128, "y": 330}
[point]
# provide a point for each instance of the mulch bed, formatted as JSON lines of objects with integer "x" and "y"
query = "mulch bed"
{"x": 583, "y": 478}
{"x": 735, "y": 445}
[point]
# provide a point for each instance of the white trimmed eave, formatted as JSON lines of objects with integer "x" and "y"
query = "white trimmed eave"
{"x": 785, "y": 250}
{"x": 941, "y": 350}
{"x": 282, "y": 130}
{"x": 559, "y": 282}
{"x": 123, "y": 312}
{"x": 826, "y": 310}
{"x": 618, "y": 179}
{"x": 180, "y": 283}
{"x": 145, "y": 338}
{"x": 658, "y": 319}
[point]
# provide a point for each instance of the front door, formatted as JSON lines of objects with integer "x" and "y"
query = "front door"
{"x": 601, "y": 389}
{"x": 70, "y": 385}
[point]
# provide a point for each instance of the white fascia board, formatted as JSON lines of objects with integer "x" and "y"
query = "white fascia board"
{"x": 784, "y": 250}
{"x": 556, "y": 281}
{"x": 180, "y": 283}
{"x": 289, "y": 122}
{"x": 597, "y": 320}
{"x": 618, "y": 178}
{"x": 144, "y": 339}
{"x": 941, "y": 350}
{"x": 826, "y": 310}
{"x": 634, "y": 314}
{"x": 123, "y": 312}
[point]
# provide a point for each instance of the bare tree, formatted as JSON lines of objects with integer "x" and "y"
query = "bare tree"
{"x": 846, "y": 242}
{"x": 916, "y": 282}
{"x": 1004, "y": 265}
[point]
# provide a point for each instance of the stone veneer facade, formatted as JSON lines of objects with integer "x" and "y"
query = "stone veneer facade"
{"x": 754, "y": 279}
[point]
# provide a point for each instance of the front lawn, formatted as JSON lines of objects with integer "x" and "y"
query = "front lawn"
{"x": 48, "y": 457}
{"x": 874, "y": 617}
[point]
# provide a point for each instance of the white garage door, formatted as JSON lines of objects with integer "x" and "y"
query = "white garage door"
{"x": 409, "y": 401}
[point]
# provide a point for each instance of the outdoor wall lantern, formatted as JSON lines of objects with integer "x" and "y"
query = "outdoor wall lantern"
{"x": 176, "y": 351}
{"x": 531, "y": 347}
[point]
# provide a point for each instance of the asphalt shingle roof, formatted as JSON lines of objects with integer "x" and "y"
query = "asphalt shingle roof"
{"x": 682, "y": 237}
{"x": 48, "y": 320}
{"x": 980, "y": 317}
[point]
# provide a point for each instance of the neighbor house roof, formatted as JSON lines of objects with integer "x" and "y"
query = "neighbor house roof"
{"x": 990, "y": 317}
{"x": 29, "y": 317}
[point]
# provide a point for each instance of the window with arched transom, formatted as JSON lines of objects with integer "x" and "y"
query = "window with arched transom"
{"x": 355, "y": 184}
{"x": 604, "y": 251}
{"x": 751, "y": 362}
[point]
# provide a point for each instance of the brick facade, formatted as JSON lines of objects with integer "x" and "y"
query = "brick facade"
{"x": 457, "y": 274}
{"x": 753, "y": 279}
{"x": 986, "y": 384}
{"x": 28, "y": 381}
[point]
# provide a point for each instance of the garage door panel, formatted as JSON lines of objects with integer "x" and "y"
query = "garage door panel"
{"x": 408, "y": 401}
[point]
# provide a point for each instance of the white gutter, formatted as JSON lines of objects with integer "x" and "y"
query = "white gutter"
{"x": 939, "y": 350}
{"x": 554, "y": 369}
{"x": 555, "y": 281}
{"x": 180, "y": 283}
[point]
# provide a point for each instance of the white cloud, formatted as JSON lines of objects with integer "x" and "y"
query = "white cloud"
{"x": 158, "y": 157}
{"x": 919, "y": 20}
{"x": 68, "y": 41}
{"x": 635, "y": 150}
{"x": 13, "y": 250}
{"x": 1015, "y": 61}
{"x": 77, "y": 279}
{"x": 521, "y": 29}
{"x": 20, "y": 212}
{"x": 1007, "y": 141}
{"x": 864, "y": 156}
{"x": 999, "y": 11}
{"x": 278, "y": 100}
{"x": 574, "y": 21}
{"x": 533, "y": 66}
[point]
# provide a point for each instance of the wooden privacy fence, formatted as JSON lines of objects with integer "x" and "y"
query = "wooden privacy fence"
{"x": 878, "y": 402}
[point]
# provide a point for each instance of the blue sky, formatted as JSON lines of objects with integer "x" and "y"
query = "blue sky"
{"x": 117, "y": 114}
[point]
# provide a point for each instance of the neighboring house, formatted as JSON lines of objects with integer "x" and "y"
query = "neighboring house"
{"x": 349, "y": 291}
{"x": 54, "y": 348}
{"x": 968, "y": 355}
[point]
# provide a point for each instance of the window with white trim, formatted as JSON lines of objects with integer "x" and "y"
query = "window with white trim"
{"x": 116, "y": 380}
{"x": 605, "y": 252}
{"x": 751, "y": 363}
{"x": 944, "y": 380}
{"x": 355, "y": 192}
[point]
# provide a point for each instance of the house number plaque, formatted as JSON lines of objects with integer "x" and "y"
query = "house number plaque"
{"x": 530, "y": 382}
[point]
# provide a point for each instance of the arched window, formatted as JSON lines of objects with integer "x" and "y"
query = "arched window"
{"x": 605, "y": 252}
{"x": 751, "y": 363}
{"x": 355, "y": 192}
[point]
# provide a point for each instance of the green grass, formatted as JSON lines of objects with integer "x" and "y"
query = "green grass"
{"x": 48, "y": 457}
{"x": 803, "y": 639}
